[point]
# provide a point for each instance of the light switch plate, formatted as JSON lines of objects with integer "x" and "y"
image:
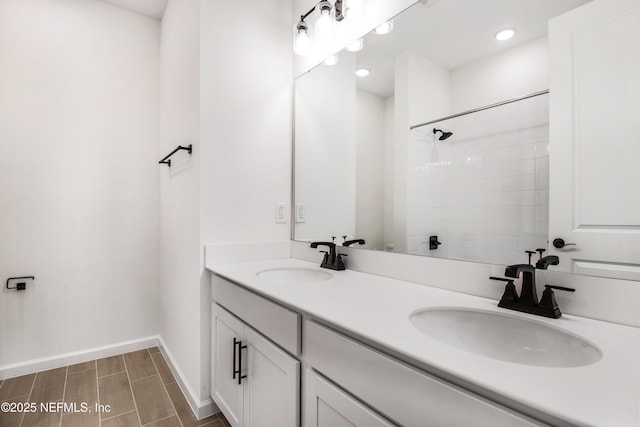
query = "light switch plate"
{"x": 281, "y": 213}
{"x": 301, "y": 215}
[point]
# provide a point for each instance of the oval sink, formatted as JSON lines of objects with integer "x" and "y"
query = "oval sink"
{"x": 505, "y": 337}
{"x": 294, "y": 275}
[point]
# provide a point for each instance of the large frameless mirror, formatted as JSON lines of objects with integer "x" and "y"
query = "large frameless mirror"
{"x": 434, "y": 138}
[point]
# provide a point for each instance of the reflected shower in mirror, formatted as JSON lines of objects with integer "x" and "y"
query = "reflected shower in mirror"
{"x": 388, "y": 156}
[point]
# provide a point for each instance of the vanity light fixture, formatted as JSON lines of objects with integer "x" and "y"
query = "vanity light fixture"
{"x": 385, "y": 28}
{"x": 332, "y": 60}
{"x": 362, "y": 72}
{"x": 325, "y": 25}
{"x": 505, "y": 34}
{"x": 302, "y": 44}
{"x": 356, "y": 45}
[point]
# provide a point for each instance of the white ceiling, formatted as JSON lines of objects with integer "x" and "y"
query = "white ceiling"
{"x": 151, "y": 8}
{"x": 453, "y": 33}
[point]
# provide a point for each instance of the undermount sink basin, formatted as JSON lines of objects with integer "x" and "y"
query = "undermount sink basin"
{"x": 505, "y": 337}
{"x": 294, "y": 275}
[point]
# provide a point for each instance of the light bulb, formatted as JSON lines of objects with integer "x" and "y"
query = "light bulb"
{"x": 354, "y": 10}
{"x": 505, "y": 34}
{"x": 355, "y": 45}
{"x": 385, "y": 28}
{"x": 302, "y": 44}
{"x": 362, "y": 72}
{"x": 324, "y": 24}
{"x": 332, "y": 60}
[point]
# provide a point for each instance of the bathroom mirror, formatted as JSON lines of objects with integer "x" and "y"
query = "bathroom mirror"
{"x": 433, "y": 139}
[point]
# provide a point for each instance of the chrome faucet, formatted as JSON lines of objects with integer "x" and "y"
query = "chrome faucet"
{"x": 527, "y": 301}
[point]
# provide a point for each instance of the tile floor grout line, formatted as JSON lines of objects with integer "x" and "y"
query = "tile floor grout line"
{"x": 64, "y": 392}
{"x": 162, "y": 419}
{"x": 108, "y": 375}
{"x": 165, "y": 388}
{"x": 148, "y": 376}
{"x": 29, "y": 397}
{"x": 119, "y": 415}
{"x": 95, "y": 362}
{"x": 133, "y": 396}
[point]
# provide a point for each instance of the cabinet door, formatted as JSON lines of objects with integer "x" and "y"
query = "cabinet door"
{"x": 272, "y": 386}
{"x": 594, "y": 129}
{"x": 325, "y": 405}
{"x": 225, "y": 390}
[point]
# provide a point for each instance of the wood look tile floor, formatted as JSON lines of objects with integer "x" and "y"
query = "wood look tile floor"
{"x": 138, "y": 389}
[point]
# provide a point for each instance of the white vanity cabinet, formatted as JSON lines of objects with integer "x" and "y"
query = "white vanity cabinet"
{"x": 402, "y": 393}
{"x": 253, "y": 381}
{"x": 257, "y": 350}
{"x": 326, "y": 405}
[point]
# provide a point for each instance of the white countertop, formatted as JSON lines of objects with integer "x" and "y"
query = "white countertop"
{"x": 606, "y": 393}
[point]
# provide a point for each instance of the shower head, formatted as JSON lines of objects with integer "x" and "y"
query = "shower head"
{"x": 444, "y": 135}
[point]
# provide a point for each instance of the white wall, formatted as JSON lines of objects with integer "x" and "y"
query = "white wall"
{"x": 422, "y": 90}
{"x": 369, "y": 193}
{"x": 515, "y": 72}
{"x": 78, "y": 176}
{"x": 325, "y": 134}
{"x": 245, "y": 129}
{"x": 180, "y": 190}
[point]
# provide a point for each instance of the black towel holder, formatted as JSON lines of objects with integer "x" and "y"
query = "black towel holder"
{"x": 167, "y": 161}
{"x": 19, "y": 286}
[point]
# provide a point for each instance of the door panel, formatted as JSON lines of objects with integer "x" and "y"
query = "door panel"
{"x": 225, "y": 390}
{"x": 594, "y": 131}
{"x": 272, "y": 392}
{"x": 328, "y": 406}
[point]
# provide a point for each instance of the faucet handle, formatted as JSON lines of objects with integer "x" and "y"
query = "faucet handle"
{"x": 530, "y": 254}
{"x": 510, "y": 294}
{"x": 548, "y": 300}
{"x": 560, "y": 288}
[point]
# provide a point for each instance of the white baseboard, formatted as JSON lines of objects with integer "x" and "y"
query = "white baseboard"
{"x": 60, "y": 360}
{"x": 201, "y": 409}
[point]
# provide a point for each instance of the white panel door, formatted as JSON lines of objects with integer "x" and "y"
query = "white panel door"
{"x": 272, "y": 385}
{"x": 595, "y": 138}
{"x": 328, "y": 406}
{"x": 226, "y": 331}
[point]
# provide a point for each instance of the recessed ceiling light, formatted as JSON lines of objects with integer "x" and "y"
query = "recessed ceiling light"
{"x": 505, "y": 34}
{"x": 385, "y": 28}
{"x": 332, "y": 60}
{"x": 362, "y": 72}
{"x": 356, "y": 45}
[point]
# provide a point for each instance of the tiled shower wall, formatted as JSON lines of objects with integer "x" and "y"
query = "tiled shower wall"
{"x": 485, "y": 190}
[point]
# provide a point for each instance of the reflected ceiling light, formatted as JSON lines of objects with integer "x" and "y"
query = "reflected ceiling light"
{"x": 362, "y": 72}
{"x": 354, "y": 10}
{"x": 506, "y": 34}
{"x": 332, "y": 60}
{"x": 302, "y": 44}
{"x": 385, "y": 28}
{"x": 324, "y": 24}
{"x": 355, "y": 45}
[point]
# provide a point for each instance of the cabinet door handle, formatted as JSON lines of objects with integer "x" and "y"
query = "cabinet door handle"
{"x": 237, "y": 355}
{"x": 234, "y": 370}
{"x": 240, "y": 348}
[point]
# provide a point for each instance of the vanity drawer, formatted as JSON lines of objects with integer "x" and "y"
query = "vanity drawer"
{"x": 280, "y": 324}
{"x": 404, "y": 394}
